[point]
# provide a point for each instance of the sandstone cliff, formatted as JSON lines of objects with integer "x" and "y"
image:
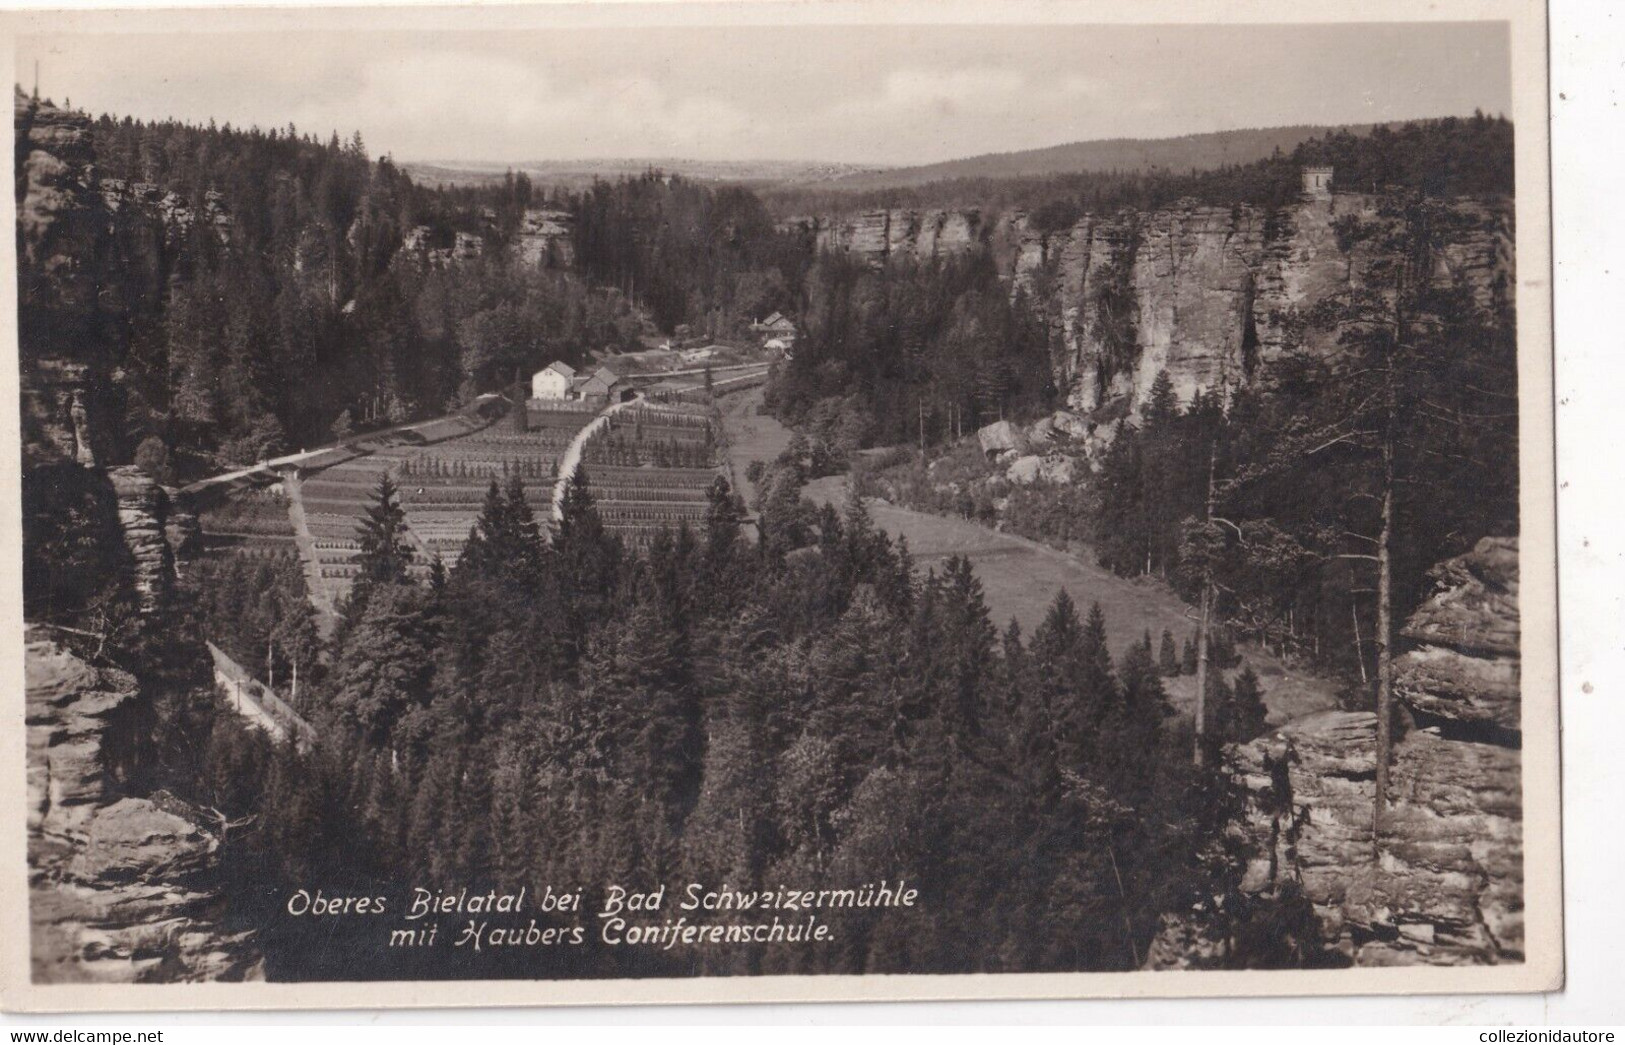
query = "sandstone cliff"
{"x": 1219, "y": 293}
{"x": 121, "y": 889}
{"x": 1447, "y": 887}
{"x": 60, "y": 235}
{"x": 143, "y": 511}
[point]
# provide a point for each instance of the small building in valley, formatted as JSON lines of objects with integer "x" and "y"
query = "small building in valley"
{"x": 603, "y": 386}
{"x": 777, "y": 325}
{"x": 1317, "y": 182}
{"x": 552, "y": 381}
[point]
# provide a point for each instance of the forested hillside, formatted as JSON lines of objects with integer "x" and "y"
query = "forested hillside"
{"x": 240, "y": 263}
{"x": 1446, "y": 157}
{"x": 1189, "y": 152}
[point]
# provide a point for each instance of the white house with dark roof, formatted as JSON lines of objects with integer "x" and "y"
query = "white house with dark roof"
{"x": 552, "y": 381}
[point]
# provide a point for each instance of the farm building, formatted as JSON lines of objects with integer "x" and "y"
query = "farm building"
{"x": 552, "y": 381}
{"x": 777, "y": 325}
{"x": 603, "y": 386}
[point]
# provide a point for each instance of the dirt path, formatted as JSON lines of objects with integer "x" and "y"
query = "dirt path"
{"x": 278, "y": 464}
{"x": 572, "y": 455}
{"x": 326, "y": 612}
{"x": 1020, "y": 577}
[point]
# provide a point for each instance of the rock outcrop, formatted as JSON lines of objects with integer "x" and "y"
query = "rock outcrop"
{"x": 121, "y": 888}
{"x": 883, "y": 235}
{"x": 1001, "y": 436}
{"x": 1219, "y": 293}
{"x": 1445, "y": 883}
{"x": 547, "y": 238}
{"x": 173, "y": 213}
{"x": 56, "y": 204}
{"x": 60, "y": 233}
{"x": 143, "y": 512}
{"x": 1464, "y": 669}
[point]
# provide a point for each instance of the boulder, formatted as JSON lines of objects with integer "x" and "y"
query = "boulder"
{"x": 1057, "y": 469}
{"x": 1000, "y": 436}
{"x": 1054, "y": 468}
{"x": 1061, "y": 426}
{"x": 1024, "y": 470}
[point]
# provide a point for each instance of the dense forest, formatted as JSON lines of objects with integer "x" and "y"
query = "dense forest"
{"x": 271, "y": 255}
{"x": 1454, "y": 156}
{"x": 913, "y": 352}
{"x": 807, "y": 709}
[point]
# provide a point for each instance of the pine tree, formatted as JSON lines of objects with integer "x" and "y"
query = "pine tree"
{"x": 1412, "y": 417}
{"x": 385, "y": 553}
{"x": 1244, "y": 714}
{"x": 480, "y": 552}
{"x": 384, "y": 666}
{"x": 1162, "y": 405}
{"x": 588, "y": 558}
{"x": 1168, "y": 655}
{"x": 723, "y": 513}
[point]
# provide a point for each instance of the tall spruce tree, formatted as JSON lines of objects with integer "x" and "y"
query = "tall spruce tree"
{"x": 385, "y": 553}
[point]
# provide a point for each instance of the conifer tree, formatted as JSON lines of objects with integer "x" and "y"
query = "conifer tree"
{"x": 1168, "y": 655}
{"x": 385, "y": 553}
{"x": 1243, "y": 715}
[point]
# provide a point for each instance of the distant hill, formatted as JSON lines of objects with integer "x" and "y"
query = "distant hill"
{"x": 576, "y": 174}
{"x": 1124, "y": 155}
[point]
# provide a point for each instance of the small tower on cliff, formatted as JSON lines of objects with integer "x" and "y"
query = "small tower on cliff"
{"x": 1317, "y": 183}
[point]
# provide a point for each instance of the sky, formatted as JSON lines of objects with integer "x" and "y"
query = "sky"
{"x": 881, "y": 95}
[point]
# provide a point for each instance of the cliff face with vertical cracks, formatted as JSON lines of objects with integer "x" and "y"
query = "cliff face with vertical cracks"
{"x": 1445, "y": 886}
{"x": 1218, "y": 294}
{"x": 143, "y": 511}
{"x": 121, "y": 889}
{"x": 60, "y": 236}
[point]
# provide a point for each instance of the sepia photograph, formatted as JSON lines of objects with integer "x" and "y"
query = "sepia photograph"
{"x": 743, "y": 501}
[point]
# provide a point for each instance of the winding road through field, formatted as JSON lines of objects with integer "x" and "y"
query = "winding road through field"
{"x": 572, "y": 454}
{"x": 1020, "y": 578}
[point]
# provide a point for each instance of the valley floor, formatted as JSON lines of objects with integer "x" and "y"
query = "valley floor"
{"x": 1021, "y": 577}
